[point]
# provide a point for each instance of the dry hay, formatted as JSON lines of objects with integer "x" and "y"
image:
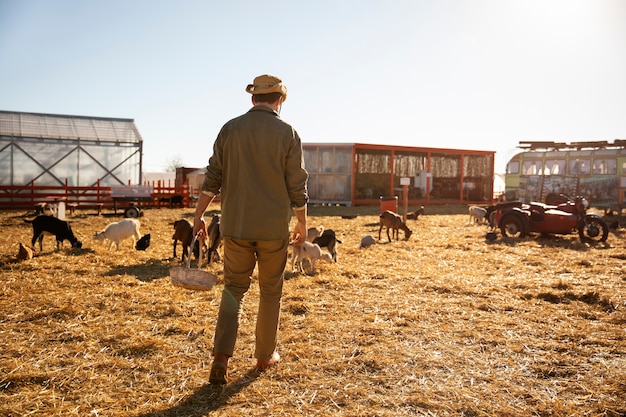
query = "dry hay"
{"x": 445, "y": 324}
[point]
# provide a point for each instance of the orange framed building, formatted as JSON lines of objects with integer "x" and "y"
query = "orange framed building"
{"x": 362, "y": 174}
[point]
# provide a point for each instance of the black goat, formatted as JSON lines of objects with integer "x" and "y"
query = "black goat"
{"x": 328, "y": 240}
{"x": 59, "y": 228}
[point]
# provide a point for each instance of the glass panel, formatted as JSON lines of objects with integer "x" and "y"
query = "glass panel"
{"x": 579, "y": 167}
{"x": 326, "y": 158}
{"x": 313, "y": 188}
{"x": 65, "y": 167}
{"x": 604, "y": 166}
{"x": 554, "y": 167}
{"x": 310, "y": 160}
{"x": 512, "y": 167}
{"x": 606, "y": 152}
{"x": 531, "y": 167}
{"x": 343, "y": 160}
{"x": 342, "y": 187}
{"x": 5, "y": 161}
{"x": 326, "y": 187}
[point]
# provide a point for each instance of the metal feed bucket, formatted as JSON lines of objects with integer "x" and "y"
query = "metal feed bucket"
{"x": 192, "y": 279}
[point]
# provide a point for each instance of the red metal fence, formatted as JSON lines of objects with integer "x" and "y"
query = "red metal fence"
{"x": 32, "y": 196}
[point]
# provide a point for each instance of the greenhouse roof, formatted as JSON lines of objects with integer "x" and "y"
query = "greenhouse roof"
{"x": 54, "y": 126}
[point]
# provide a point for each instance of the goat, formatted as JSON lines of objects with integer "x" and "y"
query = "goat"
{"x": 328, "y": 240}
{"x": 174, "y": 200}
{"x": 183, "y": 232}
{"x": 477, "y": 215}
{"x": 143, "y": 243}
{"x": 215, "y": 239}
{"x": 310, "y": 251}
{"x": 116, "y": 232}
{"x": 313, "y": 232}
{"x": 59, "y": 228}
{"x": 393, "y": 221}
{"x": 415, "y": 214}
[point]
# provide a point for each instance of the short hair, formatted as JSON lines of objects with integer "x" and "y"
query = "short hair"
{"x": 266, "y": 98}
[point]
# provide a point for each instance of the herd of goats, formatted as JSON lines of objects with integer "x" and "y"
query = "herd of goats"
{"x": 129, "y": 228}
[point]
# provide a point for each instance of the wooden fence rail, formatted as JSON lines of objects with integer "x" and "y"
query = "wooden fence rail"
{"x": 36, "y": 197}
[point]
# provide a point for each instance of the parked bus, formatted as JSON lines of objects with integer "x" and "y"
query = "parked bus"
{"x": 596, "y": 170}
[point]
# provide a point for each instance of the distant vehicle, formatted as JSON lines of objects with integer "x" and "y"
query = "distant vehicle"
{"x": 593, "y": 169}
{"x": 564, "y": 216}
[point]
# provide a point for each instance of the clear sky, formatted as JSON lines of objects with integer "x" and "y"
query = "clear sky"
{"x": 466, "y": 74}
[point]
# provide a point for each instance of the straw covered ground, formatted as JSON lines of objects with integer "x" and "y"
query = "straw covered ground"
{"x": 445, "y": 324}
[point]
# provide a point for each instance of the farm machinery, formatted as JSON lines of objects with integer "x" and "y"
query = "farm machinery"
{"x": 559, "y": 215}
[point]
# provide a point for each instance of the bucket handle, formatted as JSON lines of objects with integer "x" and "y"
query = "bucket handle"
{"x": 193, "y": 242}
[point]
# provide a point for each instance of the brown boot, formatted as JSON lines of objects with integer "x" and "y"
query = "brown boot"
{"x": 219, "y": 369}
{"x": 219, "y": 373}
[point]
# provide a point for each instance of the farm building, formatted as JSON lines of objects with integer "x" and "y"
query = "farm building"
{"x": 362, "y": 174}
{"x": 51, "y": 150}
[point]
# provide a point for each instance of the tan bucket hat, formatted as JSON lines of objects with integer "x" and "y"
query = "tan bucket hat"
{"x": 264, "y": 84}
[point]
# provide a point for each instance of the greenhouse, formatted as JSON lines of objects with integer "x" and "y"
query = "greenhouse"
{"x": 51, "y": 150}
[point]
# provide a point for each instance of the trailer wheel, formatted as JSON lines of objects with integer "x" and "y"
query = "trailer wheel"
{"x": 131, "y": 212}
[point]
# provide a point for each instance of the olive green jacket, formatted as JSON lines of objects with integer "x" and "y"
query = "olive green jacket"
{"x": 257, "y": 167}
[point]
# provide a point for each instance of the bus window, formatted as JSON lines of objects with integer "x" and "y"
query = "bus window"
{"x": 579, "y": 166}
{"x": 512, "y": 167}
{"x": 531, "y": 167}
{"x": 555, "y": 167}
{"x": 604, "y": 166}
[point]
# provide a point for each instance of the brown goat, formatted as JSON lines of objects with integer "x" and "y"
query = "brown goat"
{"x": 393, "y": 221}
{"x": 215, "y": 239}
{"x": 183, "y": 232}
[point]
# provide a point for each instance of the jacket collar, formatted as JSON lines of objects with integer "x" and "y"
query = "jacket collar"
{"x": 260, "y": 107}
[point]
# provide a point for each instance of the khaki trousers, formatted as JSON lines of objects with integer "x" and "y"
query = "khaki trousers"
{"x": 240, "y": 258}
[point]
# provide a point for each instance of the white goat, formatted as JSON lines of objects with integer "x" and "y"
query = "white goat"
{"x": 477, "y": 215}
{"x": 116, "y": 232}
{"x": 310, "y": 251}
